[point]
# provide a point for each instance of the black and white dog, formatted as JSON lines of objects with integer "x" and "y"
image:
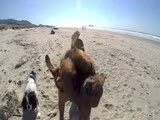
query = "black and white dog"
{"x": 30, "y": 101}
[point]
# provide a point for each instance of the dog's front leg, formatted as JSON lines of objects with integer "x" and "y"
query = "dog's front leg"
{"x": 61, "y": 103}
{"x": 38, "y": 113}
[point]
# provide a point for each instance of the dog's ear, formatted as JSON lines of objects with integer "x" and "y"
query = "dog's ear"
{"x": 24, "y": 103}
{"x": 101, "y": 79}
{"x": 74, "y": 38}
{"x": 33, "y": 100}
{"x": 49, "y": 65}
{"x": 76, "y": 42}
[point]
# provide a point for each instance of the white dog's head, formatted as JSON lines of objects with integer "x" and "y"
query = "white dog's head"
{"x": 30, "y": 101}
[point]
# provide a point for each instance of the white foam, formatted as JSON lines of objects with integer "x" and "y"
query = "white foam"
{"x": 134, "y": 33}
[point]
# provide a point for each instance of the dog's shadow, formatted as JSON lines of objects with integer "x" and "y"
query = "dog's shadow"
{"x": 29, "y": 115}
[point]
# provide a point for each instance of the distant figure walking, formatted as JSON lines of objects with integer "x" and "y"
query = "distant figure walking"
{"x": 83, "y": 27}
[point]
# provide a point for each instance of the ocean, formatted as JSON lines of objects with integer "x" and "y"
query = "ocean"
{"x": 133, "y": 33}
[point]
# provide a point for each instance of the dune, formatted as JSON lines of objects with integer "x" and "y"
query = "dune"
{"x": 131, "y": 65}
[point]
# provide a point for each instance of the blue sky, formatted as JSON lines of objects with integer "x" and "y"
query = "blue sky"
{"x": 137, "y": 15}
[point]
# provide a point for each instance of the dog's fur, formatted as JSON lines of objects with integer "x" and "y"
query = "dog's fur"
{"x": 30, "y": 100}
{"x": 73, "y": 80}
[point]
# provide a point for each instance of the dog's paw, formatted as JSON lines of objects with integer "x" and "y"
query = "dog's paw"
{"x": 38, "y": 115}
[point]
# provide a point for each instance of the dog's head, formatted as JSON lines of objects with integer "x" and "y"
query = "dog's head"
{"x": 93, "y": 89}
{"x": 91, "y": 93}
{"x": 29, "y": 101}
{"x": 32, "y": 75}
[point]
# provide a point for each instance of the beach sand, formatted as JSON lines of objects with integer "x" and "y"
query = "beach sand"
{"x": 131, "y": 65}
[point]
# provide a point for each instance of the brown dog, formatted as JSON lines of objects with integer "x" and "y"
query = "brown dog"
{"x": 76, "y": 80}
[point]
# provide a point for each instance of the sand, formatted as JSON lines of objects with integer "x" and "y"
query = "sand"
{"x": 131, "y": 65}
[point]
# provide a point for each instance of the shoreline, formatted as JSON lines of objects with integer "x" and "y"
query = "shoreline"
{"x": 133, "y": 33}
{"x": 146, "y": 36}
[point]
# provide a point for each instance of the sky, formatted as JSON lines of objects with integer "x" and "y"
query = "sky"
{"x": 136, "y": 15}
